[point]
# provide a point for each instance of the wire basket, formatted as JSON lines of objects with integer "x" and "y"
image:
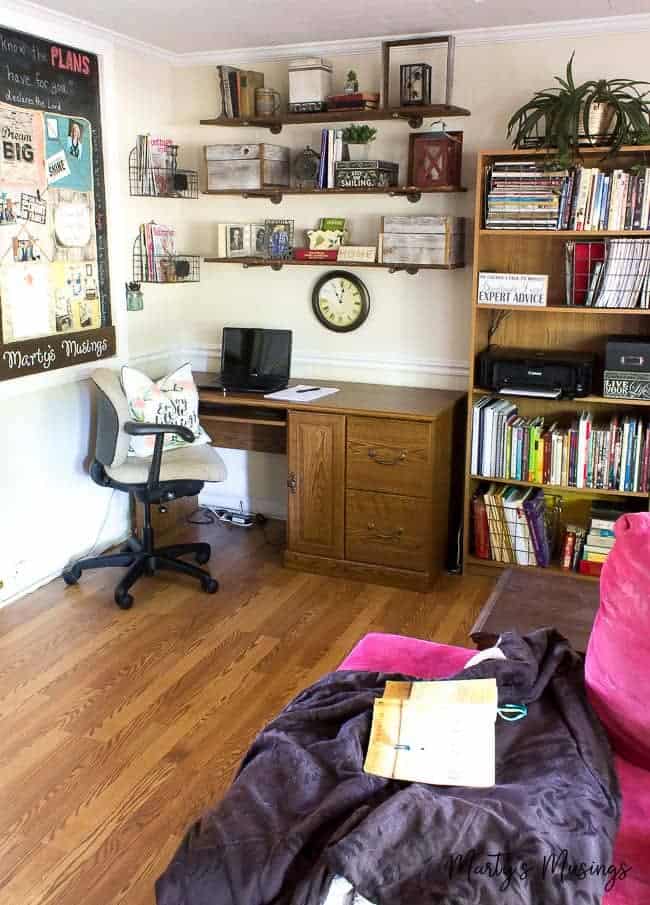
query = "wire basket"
{"x": 161, "y": 182}
{"x": 157, "y": 268}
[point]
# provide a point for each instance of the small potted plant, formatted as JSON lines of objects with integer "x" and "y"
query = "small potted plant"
{"x": 610, "y": 112}
{"x": 357, "y": 138}
{"x": 351, "y": 83}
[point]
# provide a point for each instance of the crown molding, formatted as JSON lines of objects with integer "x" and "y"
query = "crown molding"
{"x": 22, "y": 15}
{"x": 578, "y": 28}
{"x": 12, "y": 11}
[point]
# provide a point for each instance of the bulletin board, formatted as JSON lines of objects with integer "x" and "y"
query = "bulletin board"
{"x": 54, "y": 280}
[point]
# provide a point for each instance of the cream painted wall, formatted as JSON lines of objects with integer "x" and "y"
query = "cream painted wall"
{"x": 418, "y": 329}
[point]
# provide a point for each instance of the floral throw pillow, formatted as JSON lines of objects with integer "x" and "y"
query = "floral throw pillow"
{"x": 173, "y": 399}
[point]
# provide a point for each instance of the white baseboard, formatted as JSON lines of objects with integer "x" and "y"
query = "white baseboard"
{"x": 270, "y": 507}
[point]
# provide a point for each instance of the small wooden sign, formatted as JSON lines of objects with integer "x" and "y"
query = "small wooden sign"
{"x": 49, "y": 353}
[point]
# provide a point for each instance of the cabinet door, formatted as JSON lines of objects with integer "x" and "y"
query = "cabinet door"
{"x": 316, "y": 484}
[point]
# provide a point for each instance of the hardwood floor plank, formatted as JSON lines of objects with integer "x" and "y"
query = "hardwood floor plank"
{"x": 121, "y": 727}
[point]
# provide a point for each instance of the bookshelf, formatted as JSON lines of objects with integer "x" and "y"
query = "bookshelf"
{"x": 557, "y": 326}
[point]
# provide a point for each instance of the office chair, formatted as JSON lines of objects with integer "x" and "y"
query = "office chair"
{"x": 153, "y": 481}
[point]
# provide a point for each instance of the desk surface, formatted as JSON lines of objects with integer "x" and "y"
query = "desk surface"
{"x": 416, "y": 403}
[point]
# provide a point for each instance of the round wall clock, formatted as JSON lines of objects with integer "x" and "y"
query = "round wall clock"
{"x": 340, "y": 301}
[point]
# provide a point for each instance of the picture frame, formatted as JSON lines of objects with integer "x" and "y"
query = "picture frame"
{"x": 435, "y": 159}
{"x": 279, "y": 239}
{"x": 423, "y": 42}
{"x": 237, "y": 240}
{"x": 258, "y": 240}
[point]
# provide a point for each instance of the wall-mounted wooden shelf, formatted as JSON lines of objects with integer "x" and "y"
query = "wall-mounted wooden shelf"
{"x": 415, "y": 116}
{"x": 352, "y": 265}
{"x": 410, "y": 192}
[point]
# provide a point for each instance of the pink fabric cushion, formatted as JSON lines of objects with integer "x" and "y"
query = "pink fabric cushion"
{"x": 632, "y": 846}
{"x": 377, "y": 652}
{"x": 617, "y": 667}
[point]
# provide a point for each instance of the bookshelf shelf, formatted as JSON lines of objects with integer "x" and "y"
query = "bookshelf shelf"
{"x": 415, "y": 116}
{"x": 561, "y": 489}
{"x": 291, "y": 262}
{"x": 567, "y": 233}
{"x": 555, "y": 327}
{"x": 476, "y": 564}
{"x": 563, "y": 309}
{"x": 578, "y": 403}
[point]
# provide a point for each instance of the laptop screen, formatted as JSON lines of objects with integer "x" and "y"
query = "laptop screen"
{"x": 252, "y": 357}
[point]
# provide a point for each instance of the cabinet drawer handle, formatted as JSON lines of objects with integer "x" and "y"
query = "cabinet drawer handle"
{"x": 395, "y": 535}
{"x": 377, "y": 457}
{"x": 292, "y": 482}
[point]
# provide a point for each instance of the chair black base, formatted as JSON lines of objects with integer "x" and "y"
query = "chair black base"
{"x": 141, "y": 558}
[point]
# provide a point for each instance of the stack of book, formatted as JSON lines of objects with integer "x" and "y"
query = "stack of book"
{"x": 157, "y": 250}
{"x": 611, "y": 456}
{"x": 331, "y": 152}
{"x": 360, "y": 100}
{"x": 522, "y": 194}
{"x": 509, "y": 525}
{"x": 585, "y": 551}
{"x": 237, "y": 88}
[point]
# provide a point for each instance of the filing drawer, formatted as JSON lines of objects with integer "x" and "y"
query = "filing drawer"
{"x": 390, "y": 456}
{"x": 388, "y": 530}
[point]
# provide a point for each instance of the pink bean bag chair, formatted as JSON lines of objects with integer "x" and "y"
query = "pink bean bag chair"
{"x": 618, "y": 679}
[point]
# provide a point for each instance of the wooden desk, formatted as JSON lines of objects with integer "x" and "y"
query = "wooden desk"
{"x": 368, "y": 474}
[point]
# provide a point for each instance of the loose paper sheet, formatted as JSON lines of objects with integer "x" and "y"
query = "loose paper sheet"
{"x": 312, "y": 392}
{"x": 440, "y": 733}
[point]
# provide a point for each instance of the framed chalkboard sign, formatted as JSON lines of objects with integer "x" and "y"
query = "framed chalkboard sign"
{"x": 54, "y": 279}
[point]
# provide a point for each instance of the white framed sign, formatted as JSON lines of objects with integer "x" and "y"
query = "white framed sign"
{"x": 527, "y": 290}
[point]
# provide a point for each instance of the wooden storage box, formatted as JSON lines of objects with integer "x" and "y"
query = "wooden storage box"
{"x": 246, "y": 167}
{"x": 440, "y": 241}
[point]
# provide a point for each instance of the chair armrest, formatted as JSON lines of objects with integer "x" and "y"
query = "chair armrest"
{"x": 142, "y": 428}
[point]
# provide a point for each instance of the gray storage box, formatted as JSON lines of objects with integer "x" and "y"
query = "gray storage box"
{"x": 247, "y": 167}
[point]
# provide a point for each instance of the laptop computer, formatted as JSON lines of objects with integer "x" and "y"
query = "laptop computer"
{"x": 254, "y": 360}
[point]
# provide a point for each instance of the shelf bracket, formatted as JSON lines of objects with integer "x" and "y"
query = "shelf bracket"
{"x": 275, "y": 128}
{"x": 411, "y": 269}
{"x": 411, "y": 195}
{"x": 274, "y": 197}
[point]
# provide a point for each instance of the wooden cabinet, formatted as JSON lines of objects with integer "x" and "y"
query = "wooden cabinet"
{"x": 368, "y": 475}
{"x": 316, "y": 483}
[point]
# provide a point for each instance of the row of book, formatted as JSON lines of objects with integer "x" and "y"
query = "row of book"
{"x": 523, "y": 194}
{"x": 612, "y": 274}
{"x": 155, "y": 161}
{"x": 610, "y": 456}
{"x": 331, "y": 153}
{"x": 237, "y": 89}
{"x": 157, "y": 250}
{"x": 509, "y": 525}
{"x": 586, "y": 550}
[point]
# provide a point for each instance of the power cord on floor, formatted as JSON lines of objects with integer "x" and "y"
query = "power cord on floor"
{"x": 235, "y": 518}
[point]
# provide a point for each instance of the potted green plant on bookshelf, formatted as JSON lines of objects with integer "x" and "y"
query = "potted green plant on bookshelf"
{"x": 607, "y": 112}
{"x": 357, "y": 138}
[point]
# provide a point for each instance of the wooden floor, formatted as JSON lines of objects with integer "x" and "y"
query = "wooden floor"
{"x": 118, "y": 728}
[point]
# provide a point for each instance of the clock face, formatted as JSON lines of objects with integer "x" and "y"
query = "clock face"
{"x": 341, "y": 301}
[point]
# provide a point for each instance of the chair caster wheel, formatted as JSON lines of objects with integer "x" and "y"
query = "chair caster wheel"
{"x": 71, "y": 576}
{"x": 124, "y": 600}
{"x": 210, "y": 585}
{"x": 202, "y": 558}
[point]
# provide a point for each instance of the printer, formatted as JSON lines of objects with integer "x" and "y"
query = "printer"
{"x": 530, "y": 372}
